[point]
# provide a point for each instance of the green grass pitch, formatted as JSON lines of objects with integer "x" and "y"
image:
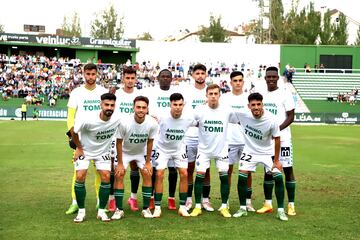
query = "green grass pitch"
{"x": 35, "y": 174}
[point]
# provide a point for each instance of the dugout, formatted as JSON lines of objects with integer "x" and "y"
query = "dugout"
{"x": 116, "y": 51}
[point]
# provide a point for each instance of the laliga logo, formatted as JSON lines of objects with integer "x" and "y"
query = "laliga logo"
{"x": 345, "y": 115}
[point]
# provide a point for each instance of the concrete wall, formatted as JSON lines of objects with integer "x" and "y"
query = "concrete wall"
{"x": 208, "y": 53}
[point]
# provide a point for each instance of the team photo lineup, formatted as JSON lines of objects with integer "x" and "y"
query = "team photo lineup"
{"x": 142, "y": 133}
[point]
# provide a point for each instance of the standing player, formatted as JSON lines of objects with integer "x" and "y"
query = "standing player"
{"x": 194, "y": 97}
{"x": 237, "y": 100}
{"x": 84, "y": 102}
{"x": 159, "y": 99}
{"x": 279, "y": 101}
{"x": 134, "y": 143}
{"x": 213, "y": 120}
{"x": 259, "y": 129}
{"x": 124, "y": 106}
{"x": 95, "y": 134}
{"x": 170, "y": 147}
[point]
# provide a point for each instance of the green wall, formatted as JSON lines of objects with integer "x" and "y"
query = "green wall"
{"x": 84, "y": 55}
{"x": 298, "y": 55}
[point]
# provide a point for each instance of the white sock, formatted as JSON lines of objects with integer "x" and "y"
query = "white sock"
{"x": 292, "y": 204}
{"x": 280, "y": 209}
{"x": 248, "y": 201}
{"x": 205, "y": 200}
{"x": 111, "y": 197}
{"x": 81, "y": 210}
{"x": 101, "y": 211}
{"x": 243, "y": 207}
{"x": 268, "y": 202}
{"x": 189, "y": 199}
{"x": 74, "y": 202}
{"x": 133, "y": 195}
{"x": 223, "y": 205}
{"x": 157, "y": 207}
{"x": 198, "y": 205}
{"x": 171, "y": 198}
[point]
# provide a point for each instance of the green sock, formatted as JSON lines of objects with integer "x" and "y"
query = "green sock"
{"x": 182, "y": 197}
{"x": 146, "y": 196}
{"x": 279, "y": 189}
{"x": 224, "y": 187}
{"x": 248, "y": 193}
{"x": 172, "y": 178}
{"x": 190, "y": 189}
{"x": 134, "y": 180}
{"x": 80, "y": 193}
{"x": 119, "y": 196}
{"x": 268, "y": 188}
{"x": 290, "y": 188}
{"x": 157, "y": 199}
{"x": 104, "y": 192}
{"x": 242, "y": 188}
{"x": 206, "y": 190}
{"x": 199, "y": 180}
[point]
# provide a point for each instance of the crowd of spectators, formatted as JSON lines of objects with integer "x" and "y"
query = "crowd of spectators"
{"x": 39, "y": 78}
{"x": 348, "y": 97}
{"x": 42, "y": 80}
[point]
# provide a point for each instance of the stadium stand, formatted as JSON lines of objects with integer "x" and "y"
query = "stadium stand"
{"x": 322, "y": 86}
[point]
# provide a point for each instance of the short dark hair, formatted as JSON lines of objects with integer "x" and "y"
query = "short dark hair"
{"x": 90, "y": 66}
{"x": 236, "y": 73}
{"x": 165, "y": 70}
{"x": 141, "y": 98}
{"x": 199, "y": 66}
{"x": 212, "y": 86}
{"x": 176, "y": 97}
{"x": 129, "y": 70}
{"x": 255, "y": 96}
{"x": 108, "y": 96}
{"x": 272, "y": 68}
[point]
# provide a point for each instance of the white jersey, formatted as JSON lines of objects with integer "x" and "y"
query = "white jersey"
{"x": 135, "y": 135}
{"x": 258, "y": 133}
{"x": 125, "y": 101}
{"x": 96, "y": 134}
{"x": 172, "y": 131}
{"x": 159, "y": 100}
{"x": 213, "y": 125}
{"x": 86, "y": 102}
{"x": 193, "y": 98}
{"x": 235, "y": 134}
{"x": 278, "y": 102}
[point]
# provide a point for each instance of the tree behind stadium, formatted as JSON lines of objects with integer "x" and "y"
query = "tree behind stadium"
{"x": 107, "y": 25}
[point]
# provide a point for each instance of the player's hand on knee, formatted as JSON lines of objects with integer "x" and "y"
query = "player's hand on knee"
{"x": 277, "y": 164}
{"x": 148, "y": 168}
{"x": 120, "y": 171}
{"x": 79, "y": 154}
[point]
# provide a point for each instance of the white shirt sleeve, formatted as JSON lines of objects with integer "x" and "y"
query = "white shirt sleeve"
{"x": 153, "y": 130}
{"x": 275, "y": 129}
{"x": 79, "y": 125}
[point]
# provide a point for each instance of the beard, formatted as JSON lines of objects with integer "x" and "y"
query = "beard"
{"x": 108, "y": 113}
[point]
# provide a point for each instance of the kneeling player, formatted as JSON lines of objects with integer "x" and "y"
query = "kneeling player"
{"x": 259, "y": 130}
{"x": 170, "y": 147}
{"x": 95, "y": 134}
{"x": 134, "y": 140}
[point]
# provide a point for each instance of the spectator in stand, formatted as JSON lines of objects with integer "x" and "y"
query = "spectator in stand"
{"x": 322, "y": 68}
